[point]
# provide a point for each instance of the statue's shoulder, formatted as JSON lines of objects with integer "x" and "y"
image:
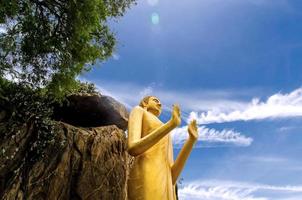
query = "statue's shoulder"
{"x": 136, "y": 113}
{"x": 138, "y": 109}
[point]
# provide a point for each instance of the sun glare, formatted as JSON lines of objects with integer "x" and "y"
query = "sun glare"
{"x": 155, "y": 18}
{"x": 152, "y": 2}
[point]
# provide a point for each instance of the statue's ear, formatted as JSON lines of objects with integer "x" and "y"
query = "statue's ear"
{"x": 144, "y": 104}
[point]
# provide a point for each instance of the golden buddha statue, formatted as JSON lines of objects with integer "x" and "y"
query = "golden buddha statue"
{"x": 154, "y": 172}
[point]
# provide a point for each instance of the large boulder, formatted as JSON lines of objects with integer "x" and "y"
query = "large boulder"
{"x": 90, "y": 164}
{"x": 92, "y": 111}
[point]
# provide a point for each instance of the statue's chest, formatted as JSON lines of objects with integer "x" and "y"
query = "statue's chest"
{"x": 150, "y": 123}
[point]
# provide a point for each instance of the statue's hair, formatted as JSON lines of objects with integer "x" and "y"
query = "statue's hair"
{"x": 144, "y": 101}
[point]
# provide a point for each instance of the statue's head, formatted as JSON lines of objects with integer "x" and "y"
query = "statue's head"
{"x": 151, "y": 104}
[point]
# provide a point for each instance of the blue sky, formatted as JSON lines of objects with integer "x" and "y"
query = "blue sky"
{"x": 235, "y": 66}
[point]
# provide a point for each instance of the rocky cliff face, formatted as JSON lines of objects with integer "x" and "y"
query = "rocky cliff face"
{"x": 86, "y": 163}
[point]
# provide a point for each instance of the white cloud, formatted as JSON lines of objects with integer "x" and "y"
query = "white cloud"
{"x": 267, "y": 159}
{"x": 115, "y": 56}
{"x": 146, "y": 92}
{"x": 287, "y": 128}
{"x": 276, "y": 106}
{"x": 230, "y": 190}
{"x": 208, "y": 135}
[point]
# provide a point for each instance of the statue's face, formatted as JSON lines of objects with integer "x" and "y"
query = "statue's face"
{"x": 154, "y": 106}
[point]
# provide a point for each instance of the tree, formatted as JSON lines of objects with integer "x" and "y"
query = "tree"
{"x": 50, "y": 42}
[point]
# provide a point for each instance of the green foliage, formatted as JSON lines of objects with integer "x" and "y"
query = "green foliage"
{"x": 51, "y": 42}
{"x": 73, "y": 87}
{"x": 83, "y": 89}
{"x": 25, "y": 106}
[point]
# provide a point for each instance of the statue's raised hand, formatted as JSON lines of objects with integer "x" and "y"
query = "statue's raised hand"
{"x": 193, "y": 131}
{"x": 176, "y": 115}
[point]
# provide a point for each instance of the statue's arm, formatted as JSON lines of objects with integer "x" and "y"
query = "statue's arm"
{"x": 138, "y": 145}
{"x": 185, "y": 152}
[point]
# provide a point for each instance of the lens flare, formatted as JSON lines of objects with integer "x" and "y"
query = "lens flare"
{"x": 155, "y": 18}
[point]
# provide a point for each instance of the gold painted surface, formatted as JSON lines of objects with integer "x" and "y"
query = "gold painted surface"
{"x": 154, "y": 172}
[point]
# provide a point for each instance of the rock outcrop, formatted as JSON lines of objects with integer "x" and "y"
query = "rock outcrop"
{"x": 92, "y": 111}
{"x": 87, "y": 164}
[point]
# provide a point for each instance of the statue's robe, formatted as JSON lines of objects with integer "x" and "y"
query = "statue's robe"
{"x": 150, "y": 176}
